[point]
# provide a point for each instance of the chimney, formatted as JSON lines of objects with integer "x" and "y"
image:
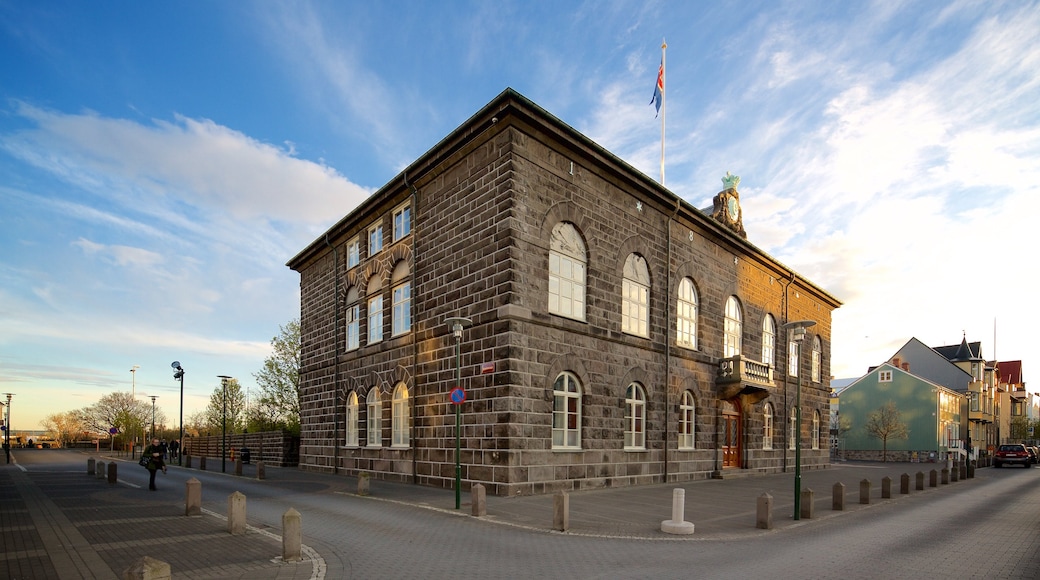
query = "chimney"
{"x": 895, "y": 362}
{"x": 906, "y": 367}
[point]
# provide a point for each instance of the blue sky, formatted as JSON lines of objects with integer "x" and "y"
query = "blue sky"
{"x": 161, "y": 162}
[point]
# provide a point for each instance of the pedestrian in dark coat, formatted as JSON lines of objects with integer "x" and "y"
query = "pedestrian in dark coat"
{"x": 155, "y": 462}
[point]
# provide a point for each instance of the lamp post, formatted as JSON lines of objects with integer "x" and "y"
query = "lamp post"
{"x": 796, "y": 333}
{"x": 179, "y": 374}
{"x": 133, "y": 396}
{"x": 153, "y": 397}
{"x": 457, "y": 324}
{"x": 7, "y": 428}
{"x": 223, "y": 424}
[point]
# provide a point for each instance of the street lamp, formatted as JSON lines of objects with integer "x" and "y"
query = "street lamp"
{"x": 457, "y": 324}
{"x": 796, "y": 333}
{"x": 133, "y": 396}
{"x": 153, "y": 397}
{"x": 223, "y": 424}
{"x": 179, "y": 374}
{"x": 7, "y": 428}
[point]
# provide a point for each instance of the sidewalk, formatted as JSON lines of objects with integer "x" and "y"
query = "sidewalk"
{"x": 67, "y": 524}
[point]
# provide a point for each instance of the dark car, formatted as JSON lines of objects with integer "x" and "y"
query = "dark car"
{"x": 1011, "y": 454}
{"x": 1033, "y": 454}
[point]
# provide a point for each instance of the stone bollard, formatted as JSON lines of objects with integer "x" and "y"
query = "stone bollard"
{"x": 112, "y": 476}
{"x": 904, "y": 483}
{"x": 806, "y": 511}
{"x": 236, "y": 519}
{"x": 362, "y": 482}
{"x": 261, "y": 470}
{"x": 238, "y": 467}
{"x": 100, "y": 469}
{"x": 148, "y": 568}
{"x": 838, "y": 497}
{"x": 90, "y": 466}
{"x": 202, "y": 463}
{"x": 955, "y": 473}
{"x": 971, "y": 470}
{"x": 187, "y": 461}
{"x": 864, "y": 491}
{"x": 920, "y": 481}
{"x": 193, "y": 497}
{"x": 292, "y": 536}
{"x": 964, "y": 470}
{"x": 561, "y": 511}
{"x": 478, "y": 499}
{"x": 945, "y": 476}
{"x": 933, "y": 478}
{"x": 764, "y": 512}
{"x": 677, "y": 525}
{"x": 886, "y": 487}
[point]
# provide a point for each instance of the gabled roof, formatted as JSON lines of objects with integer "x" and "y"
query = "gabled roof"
{"x": 1010, "y": 372}
{"x": 962, "y": 352}
{"x": 895, "y": 369}
{"x": 929, "y": 363}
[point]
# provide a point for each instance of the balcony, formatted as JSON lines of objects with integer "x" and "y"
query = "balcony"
{"x": 737, "y": 375}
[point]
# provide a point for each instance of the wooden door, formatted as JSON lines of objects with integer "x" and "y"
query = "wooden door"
{"x": 730, "y": 434}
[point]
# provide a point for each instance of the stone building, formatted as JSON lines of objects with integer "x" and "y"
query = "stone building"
{"x": 613, "y": 334}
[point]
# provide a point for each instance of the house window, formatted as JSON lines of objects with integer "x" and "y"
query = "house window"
{"x": 732, "y": 328}
{"x": 816, "y": 430}
{"x": 635, "y": 418}
{"x": 793, "y": 348}
{"x": 375, "y": 239}
{"x": 399, "y": 417}
{"x": 567, "y": 272}
{"x": 687, "y": 421}
{"x": 352, "y": 420}
{"x": 769, "y": 340}
{"x": 974, "y": 401}
{"x": 793, "y": 430}
{"x": 402, "y": 222}
{"x": 884, "y": 376}
{"x": 375, "y": 419}
{"x": 686, "y": 315}
{"x": 1017, "y": 408}
{"x": 817, "y": 359}
{"x": 566, "y": 412}
{"x": 353, "y": 252}
{"x": 402, "y": 300}
{"x": 635, "y": 297}
{"x": 375, "y": 310}
{"x": 767, "y": 427}
{"x": 353, "y": 319}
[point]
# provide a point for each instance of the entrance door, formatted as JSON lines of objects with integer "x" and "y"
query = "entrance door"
{"x": 730, "y": 434}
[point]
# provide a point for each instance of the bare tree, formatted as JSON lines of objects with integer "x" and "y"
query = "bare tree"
{"x": 884, "y": 424}
{"x": 122, "y": 411}
{"x": 63, "y": 427}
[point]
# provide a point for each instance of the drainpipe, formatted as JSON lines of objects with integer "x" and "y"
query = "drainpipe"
{"x": 335, "y": 379}
{"x": 787, "y": 353}
{"x": 668, "y": 340}
{"x": 415, "y": 328}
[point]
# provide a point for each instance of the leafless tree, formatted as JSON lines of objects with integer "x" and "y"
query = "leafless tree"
{"x": 884, "y": 424}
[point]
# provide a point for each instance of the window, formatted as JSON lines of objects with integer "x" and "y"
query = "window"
{"x": 375, "y": 239}
{"x": 402, "y": 300}
{"x": 352, "y": 420}
{"x": 567, "y": 272}
{"x": 375, "y": 419}
{"x": 767, "y": 427}
{"x": 566, "y": 412}
{"x": 687, "y": 421}
{"x": 1017, "y": 408}
{"x": 375, "y": 310}
{"x": 635, "y": 297}
{"x": 817, "y": 359}
{"x": 635, "y": 418}
{"x": 353, "y": 319}
{"x": 686, "y": 315}
{"x": 974, "y": 401}
{"x": 816, "y": 430}
{"x": 793, "y": 430}
{"x": 402, "y": 221}
{"x": 769, "y": 341}
{"x": 793, "y": 346}
{"x": 732, "y": 330}
{"x": 353, "y": 252}
{"x": 884, "y": 376}
{"x": 399, "y": 417}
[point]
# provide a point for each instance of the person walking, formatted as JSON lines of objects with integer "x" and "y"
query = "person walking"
{"x": 175, "y": 448}
{"x": 155, "y": 462}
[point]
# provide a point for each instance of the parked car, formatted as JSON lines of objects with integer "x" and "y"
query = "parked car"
{"x": 1012, "y": 454}
{"x": 1033, "y": 453}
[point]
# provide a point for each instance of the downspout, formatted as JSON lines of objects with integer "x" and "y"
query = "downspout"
{"x": 787, "y": 353}
{"x": 335, "y": 379}
{"x": 668, "y": 340}
{"x": 415, "y": 328}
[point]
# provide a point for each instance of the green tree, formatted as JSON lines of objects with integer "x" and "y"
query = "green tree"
{"x": 279, "y": 382}
{"x": 120, "y": 410}
{"x": 884, "y": 424}
{"x": 234, "y": 412}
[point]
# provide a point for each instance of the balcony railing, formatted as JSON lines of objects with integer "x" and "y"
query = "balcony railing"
{"x": 737, "y": 369}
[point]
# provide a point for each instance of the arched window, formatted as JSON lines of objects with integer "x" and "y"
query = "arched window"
{"x": 566, "y": 412}
{"x": 687, "y": 421}
{"x": 635, "y": 417}
{"x": 686, "y": 314}
{"x": 400, "y": 417}
{"x": 817, "y": 358}
{"x": 375, "y": 310}
{"x": 816, "y": 430}
{"x": 567, "y": 265}
{"x": 402, "y": 299}
{"x": 352, "y": 420}
{"x": 767, "y": 426}
{"x": 375, "y": 418}
{"x": 793, "y": 430}
{"x": 353, "y": 319}
{"x": 769, "y": 340}
{"x": 733, "y": 328}
{"x": 635, "y": 297}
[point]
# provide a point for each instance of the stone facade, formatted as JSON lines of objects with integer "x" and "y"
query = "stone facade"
{"x": 483, "y": 204}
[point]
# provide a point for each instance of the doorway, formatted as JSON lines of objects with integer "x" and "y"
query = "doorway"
{"x": 730, "y": 432}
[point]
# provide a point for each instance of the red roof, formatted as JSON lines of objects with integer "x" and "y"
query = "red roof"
{"x": 1010, "y": 372}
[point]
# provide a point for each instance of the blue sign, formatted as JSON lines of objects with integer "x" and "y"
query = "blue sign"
{"x": 458, "y": 396}
{"x": 113, "y": 430}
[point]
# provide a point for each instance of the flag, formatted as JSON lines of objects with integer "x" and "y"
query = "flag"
{"x": 658, "y": 89}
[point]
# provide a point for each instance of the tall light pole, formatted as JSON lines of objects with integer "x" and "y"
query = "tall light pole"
{"x": 223, "y": 424}
{"x": 7, "y": 428}
{"x": 179, "y": 374}
{"x": 133, "y": 396}
{"x": 153, "y": 397}
{"x": 796, "y": 333}
{"x": 458, "y": 396}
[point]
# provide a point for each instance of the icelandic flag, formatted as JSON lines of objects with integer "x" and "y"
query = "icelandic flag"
{"x": 658, "y": 89}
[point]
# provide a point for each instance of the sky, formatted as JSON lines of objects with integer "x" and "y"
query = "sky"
{"x": 160, "y": 162}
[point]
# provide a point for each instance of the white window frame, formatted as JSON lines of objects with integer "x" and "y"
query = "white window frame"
{"x": 733, "y": 328}
{"x": 793, "y": 358}
{"x": 767, "y": 427}
{"x": 687, "y": 422}
{"x": 354, "y": 326}
{"x": 635, "y": 297}
{"x": 686, "y": 315}
{"x": 793, "y": 429}
{"x": 374, "y": 408}
{"x": 769, "y": 341}
{"x": 400, "y": 417}
{"x": 635, "y": 418}
{"x": 352, "y": 420}
{"x": 375, "y": 319}
{"x": 353, "y": 252}
{"x": 817, "y": 359}
{"x": 375, "y": 239}
{"x": 884, "y": 376}
{"x": 566, "y": 432}
{"x": 816, "y": 430}
{"x": 567, "y": 272}
{"x": 402, "y": 309}
{"x": 402, "y": 222}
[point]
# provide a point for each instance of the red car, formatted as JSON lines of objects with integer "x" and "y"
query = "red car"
{"x": 1011, "y": 454}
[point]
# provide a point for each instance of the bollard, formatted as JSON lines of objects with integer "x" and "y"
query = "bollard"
{"x": 362, "y": 482}
{"x": 904, "y": 484}
{"x": 292, "y": 536}
{"x": 90, "y": 466}
{"x": 238, "y": 466}
{"x": 236, "y": 520}
{"x": 187, "y": 461}
{"x": 202, "y": 463}
{"x": 864, "y": 491}
{"x": 920, "y": 481}
{"x": 478, "y": 499}
{"x": 148, "y": 568}
{"x": 764, "y": 512}
{"x": 561, "y": 511}
{"x": 971, "y": 470}
{"x": 933, "y": 478}
{"x": 193, "y": 497}
{"x": 838, "y": 497}
{"x": 955, "y": 473}
{"x": 100, "y": 469}
{"x": 261, "y": 470}
{"x": 112, "y": 471}
{"x": 677, "y": 525}
{"x": 964, "y": 470}
{"x": 886, "y": 487}
{"x": 945, "y": 478}
{"x": 806, "y": 510}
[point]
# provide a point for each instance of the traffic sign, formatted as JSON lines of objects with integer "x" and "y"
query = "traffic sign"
{"x": 113, "y": 430}
{"x": 458, "y": 396}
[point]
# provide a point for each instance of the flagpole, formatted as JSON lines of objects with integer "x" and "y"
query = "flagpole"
{"x": 664, "y": 100}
